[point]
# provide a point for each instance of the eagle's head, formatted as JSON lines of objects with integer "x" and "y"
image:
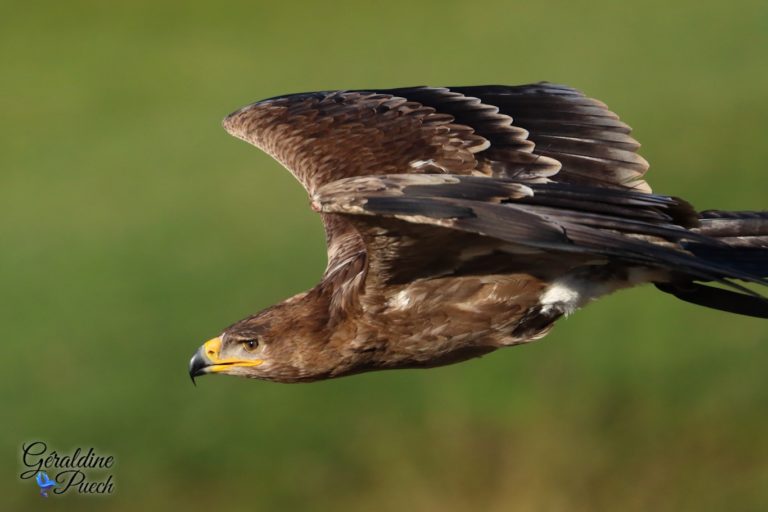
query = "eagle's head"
{"x": 281, "y": 343}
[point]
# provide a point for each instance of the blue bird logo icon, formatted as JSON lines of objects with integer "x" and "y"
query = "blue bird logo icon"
{"x": 45, "y": 483}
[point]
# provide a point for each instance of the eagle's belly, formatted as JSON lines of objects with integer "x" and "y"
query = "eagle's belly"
{"x": 446, "y": 320}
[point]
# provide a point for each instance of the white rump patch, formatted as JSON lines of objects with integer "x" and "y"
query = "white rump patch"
{"x": 571, "y": 292}
{"x": 565, "y": 293}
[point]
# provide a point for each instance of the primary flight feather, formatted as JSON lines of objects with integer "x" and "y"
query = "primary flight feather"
{"x": 460, "y": 220}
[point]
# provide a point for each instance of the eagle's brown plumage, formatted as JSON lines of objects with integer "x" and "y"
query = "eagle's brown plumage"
{"x": 464, "y": 219}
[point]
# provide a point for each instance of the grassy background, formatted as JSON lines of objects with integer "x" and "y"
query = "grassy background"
{"x": 133, "y": 228}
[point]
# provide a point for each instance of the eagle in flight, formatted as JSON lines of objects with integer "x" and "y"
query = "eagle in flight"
{"x": 460, "y": 220}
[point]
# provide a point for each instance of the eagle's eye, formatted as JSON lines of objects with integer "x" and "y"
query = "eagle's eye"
{"x": 250, "y": 345}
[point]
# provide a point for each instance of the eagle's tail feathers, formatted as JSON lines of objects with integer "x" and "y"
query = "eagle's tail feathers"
{"x": 743, "y": 237}
{"x": 717, "y": 298}
{"x": 740, "y": 242}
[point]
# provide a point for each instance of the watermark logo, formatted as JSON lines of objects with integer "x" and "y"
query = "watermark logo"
{"x": 44, "y": 482}
{"x": 83, "y": 471}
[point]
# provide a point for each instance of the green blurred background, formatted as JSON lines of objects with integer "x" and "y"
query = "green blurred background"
{"x": 133, "y": 229}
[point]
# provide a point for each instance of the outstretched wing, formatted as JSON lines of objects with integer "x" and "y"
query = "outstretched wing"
{"x": 528, "y": 132}
{"x": 621, "y": 225}
{"x": 531, "y": 134}
{"x": 562, "y": 227}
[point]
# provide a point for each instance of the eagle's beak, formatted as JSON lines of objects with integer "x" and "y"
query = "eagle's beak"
{"x": 202, "y": 359}
{"x": 207, "y": 359}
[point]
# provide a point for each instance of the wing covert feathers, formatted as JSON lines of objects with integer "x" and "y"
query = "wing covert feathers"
{"x": 322, "y": 137}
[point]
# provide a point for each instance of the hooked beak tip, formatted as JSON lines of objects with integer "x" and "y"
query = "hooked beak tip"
{"x": 198, "y": 365}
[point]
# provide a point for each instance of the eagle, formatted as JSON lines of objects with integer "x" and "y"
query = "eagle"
{"x": 460, "y": 220}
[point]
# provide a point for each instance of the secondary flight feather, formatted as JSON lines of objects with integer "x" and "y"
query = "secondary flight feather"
{"x": 460, "y": 220}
